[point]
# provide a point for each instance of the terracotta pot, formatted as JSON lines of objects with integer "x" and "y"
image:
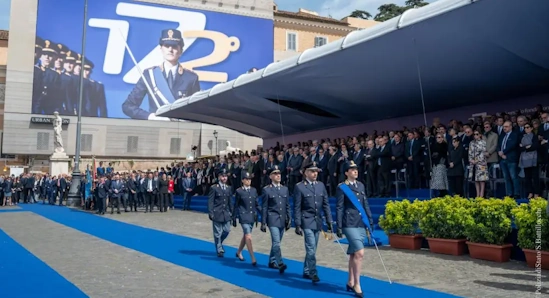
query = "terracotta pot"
{"x": 412, "y": 242}
{"x": 488, "y": 252}
{"x": 532, "y": 259}
{"x": 455, "y": 247}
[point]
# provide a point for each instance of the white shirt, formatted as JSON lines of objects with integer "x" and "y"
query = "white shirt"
{"x": 149, "y": 187}
{"x": 169, "y": 68}
{"x": 310, "y": 181}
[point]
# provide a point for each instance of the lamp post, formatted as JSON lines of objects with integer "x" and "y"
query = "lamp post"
{"x": 74, "y": 196}
{"x": 215, "y": 136}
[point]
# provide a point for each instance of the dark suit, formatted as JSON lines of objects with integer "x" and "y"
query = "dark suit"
{"x": 456, "y": 173}
{"x": 508, "y": 144}
{"x": 187, "y": 183}
{"x": 413, "y": 149}
{"x": 132, "y": 187}
{"x": 384, "y": 161}
{"x": 332, "y": 173}
{"x": 397, "y": 151}
{"x": 184, "y": 84}
{"x": 150, "y": 189}
{"x": 116, "y": 190}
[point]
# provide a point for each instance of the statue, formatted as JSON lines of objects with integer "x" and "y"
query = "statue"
{"x": 57, "y": 129}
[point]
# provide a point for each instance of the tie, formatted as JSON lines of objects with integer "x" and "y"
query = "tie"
{"x": 505, "y": 141}
{"x": 411, "y": 146}
{"x": 499, "y": 130}
{"x": 170, "y": 79}
{"x": 546, "y": 126}
{"x": 521, "y": 129}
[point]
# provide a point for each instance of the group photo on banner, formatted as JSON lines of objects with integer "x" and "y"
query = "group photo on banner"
{"x": 138, "y": 57}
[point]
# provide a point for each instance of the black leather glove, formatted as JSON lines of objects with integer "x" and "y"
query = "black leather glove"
{"x": 234, "y": 222}
{"x": 298, "y": 231}
{"x": 263, "y": 228}
{"x": 339, "y": 233}
{"x": 330, "y": 227}
{"x": 288, "y": 224}
{"x": 210, "y": 216}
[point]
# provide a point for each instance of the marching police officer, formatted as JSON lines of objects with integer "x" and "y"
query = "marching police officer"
{"x": 310, "y": 198}
{"x": 220, "y": 211}
{"x": 350, "y": 221}
{"x": 164, "y": 83}
{"x": 276, "y": 214}
{"x": 246, "y": 205}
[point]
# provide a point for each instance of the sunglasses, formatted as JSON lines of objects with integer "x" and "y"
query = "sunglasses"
{"x": 527, "y": 127}
{"x": 477, "y": 134}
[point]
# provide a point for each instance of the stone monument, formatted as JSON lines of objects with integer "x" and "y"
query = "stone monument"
{"x": 59, "y": 160}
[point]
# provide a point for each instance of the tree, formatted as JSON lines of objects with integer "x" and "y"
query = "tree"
{"x": 361, "y": 14}
{"x": 415, "y": 3}
{"x": 388, "y": 11}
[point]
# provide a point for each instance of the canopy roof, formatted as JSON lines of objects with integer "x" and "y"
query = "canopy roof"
{"x": 464, "y": 51}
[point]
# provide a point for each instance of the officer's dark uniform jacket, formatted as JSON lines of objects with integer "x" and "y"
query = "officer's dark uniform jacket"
{"x": 347, "y": 214}
{"x": 246, "y": 205}
{"x": 219, "y": 203}
{"x": 309, "y": 200}
{"x": 275, "y": 206}
{"x": 102, "y": 191}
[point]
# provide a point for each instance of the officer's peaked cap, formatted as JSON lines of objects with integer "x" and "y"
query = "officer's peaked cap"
{"x": 171, "y": 37}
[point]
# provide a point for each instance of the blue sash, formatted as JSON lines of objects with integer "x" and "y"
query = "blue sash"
{"x": 162, "y": 85}
{"x": 354, "y": 199}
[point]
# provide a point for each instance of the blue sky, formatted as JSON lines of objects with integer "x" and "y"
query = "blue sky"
{"x": 4, "y": 14}
{"x": 336, "y": 8}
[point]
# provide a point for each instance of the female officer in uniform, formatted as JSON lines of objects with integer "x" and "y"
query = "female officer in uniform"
{"x": 246, "y": 202}
{"x": 350, "y": 223}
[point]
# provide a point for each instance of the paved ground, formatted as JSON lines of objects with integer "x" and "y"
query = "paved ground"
{"x": 146, "y": 276}
{"x": 461, "y": 276}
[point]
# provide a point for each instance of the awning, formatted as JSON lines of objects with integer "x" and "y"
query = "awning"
{"x": 467, "y": 52}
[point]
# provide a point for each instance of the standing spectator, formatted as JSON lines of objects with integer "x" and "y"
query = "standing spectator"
{"x": 509, "y": 156}
{"x": 528, "y": 161}
{"x": 478, "y": 166}
{"x": 456, "y": 169}
{"x": 439, "y": 157}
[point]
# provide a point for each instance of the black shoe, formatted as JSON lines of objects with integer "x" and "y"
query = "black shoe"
{"x": 254, "y": 264}
{"x": 306, "y": 276}
{"x": 240, "y": 258}
{"x": 282, "y": 268}
{"x": 349, "y": 288}
{"x": 315, "y": 278}
{"x": 273, "y": 266}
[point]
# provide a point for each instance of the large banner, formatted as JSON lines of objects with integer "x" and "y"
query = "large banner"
{"x": 138, "y": 56}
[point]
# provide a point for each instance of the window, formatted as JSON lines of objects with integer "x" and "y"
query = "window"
{"x": 43, "y": 141}
{"x": 132, "y": 144}
{"x": 86, "y": 142}
{"x": 175, "y": 146}
{"x": 291, "y": 41}
{"x": 320, "y": 41}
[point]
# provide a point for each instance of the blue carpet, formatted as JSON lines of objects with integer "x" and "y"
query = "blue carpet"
{"x": 199, "y": 255}
{"x": 11, "y": 210}
{"x": 23, "y": 275}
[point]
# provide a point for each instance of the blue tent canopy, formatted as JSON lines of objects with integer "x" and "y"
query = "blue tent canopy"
{"x": 467, "y": 52}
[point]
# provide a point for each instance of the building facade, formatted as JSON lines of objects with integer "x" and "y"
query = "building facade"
{"x": 295, "y": 32}
{"x": 30, "y": 138}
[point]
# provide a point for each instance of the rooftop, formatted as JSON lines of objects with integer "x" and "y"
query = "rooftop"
{"x": 303, "y": 14}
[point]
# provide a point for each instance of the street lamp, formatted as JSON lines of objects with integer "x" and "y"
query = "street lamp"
{"x": 74, "y": 197}
{"x": 215, "y": 136}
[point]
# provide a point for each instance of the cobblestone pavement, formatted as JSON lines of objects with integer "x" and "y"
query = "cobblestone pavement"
{"x": 461, "y": 276}
{"x": 103, "y": 269}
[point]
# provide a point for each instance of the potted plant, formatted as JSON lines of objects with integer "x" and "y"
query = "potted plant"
{"x": 488, "y": 225}
{"x": 533, "y": 232}
{"x": 443, "y": 223}
{"x": 400, "y": 222}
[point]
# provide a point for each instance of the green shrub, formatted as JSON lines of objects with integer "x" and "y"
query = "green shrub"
{"x": 445, "y": 217}
{"x": 489, "y": 220}
{"x": 401, "y": 217}
{"x": 533, "y": 225}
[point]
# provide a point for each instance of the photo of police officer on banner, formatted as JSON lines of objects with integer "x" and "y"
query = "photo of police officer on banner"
{"x": 164, "y": 83}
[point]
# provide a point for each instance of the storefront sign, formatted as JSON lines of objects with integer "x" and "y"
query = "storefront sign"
{"x": 47, "y": 120}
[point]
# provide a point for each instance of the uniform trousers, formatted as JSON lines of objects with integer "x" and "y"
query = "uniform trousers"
{"x": 276, "y": 237}
{"x": 164, "y": 201}
{"x": 220, "y": 232}
{"x": 311, "y": 242}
